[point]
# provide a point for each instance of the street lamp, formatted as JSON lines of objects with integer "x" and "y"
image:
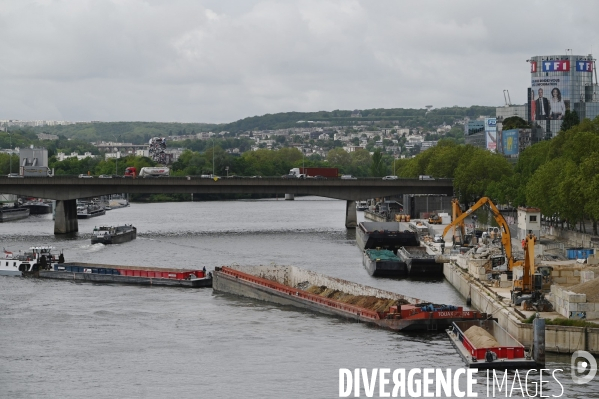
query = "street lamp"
{"x": 10, "y": 159}
{"x": 227, "y": 169}
{"x": 116, "y": 158}
{"x": 213, "y": 156}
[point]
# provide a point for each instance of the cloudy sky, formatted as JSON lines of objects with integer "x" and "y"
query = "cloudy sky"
{"x": 223, "y": 60}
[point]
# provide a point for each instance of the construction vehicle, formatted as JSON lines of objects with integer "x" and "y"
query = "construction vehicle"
{"x": 498, "y": 262}
{"x": 435, "y": 219}
{"x": 526, "y": 290}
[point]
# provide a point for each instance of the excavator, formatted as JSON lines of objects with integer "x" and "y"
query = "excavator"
{"x": 525, "y": 289}
{"x": 506, "y": 237}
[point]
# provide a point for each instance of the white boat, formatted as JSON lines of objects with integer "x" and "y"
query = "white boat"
{"x": 15, "y": 264}
{"x": 361, "y": 205}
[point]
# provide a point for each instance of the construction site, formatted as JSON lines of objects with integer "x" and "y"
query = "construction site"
{"x": 527, "y": 271}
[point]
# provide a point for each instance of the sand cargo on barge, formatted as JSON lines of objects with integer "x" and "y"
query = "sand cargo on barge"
{"x": 292, "y": 286}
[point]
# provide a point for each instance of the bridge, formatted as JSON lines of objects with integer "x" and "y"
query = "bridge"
{"x": 67, "y": 189}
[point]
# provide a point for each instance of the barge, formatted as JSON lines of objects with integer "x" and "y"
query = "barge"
{"x": 113, "y": 234}
{"x": 484, "y": 344}
{"x": 8, "y": 214}
{"x": 139, "y": 275}
{"x": 89, "y": 210}
{"x": 292, "y": 286}
{"x": 38, "y": 207}
{"x": 420, "y": 262}
{"x": 385, "y": 235}
{"x": 383, "y": 263}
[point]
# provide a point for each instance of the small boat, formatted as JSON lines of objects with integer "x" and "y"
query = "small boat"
{"x": 113, "y": 234}
{"x": 484, "y": 344}
{"x": 361, "y": 205}
{"x": 19, "y": 264}
{"x": 89, "y": 210}
{"x": 8, "y": 214}
{"x": 382, "y": 262}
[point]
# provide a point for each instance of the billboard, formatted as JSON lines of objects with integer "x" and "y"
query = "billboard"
{"x": 510, "y": 142}
{"x": 491, "y": 134}
{"x": 550, "y": 97}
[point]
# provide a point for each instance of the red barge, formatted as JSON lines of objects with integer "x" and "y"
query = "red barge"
{"x": 139, "y": 275}
{"x": 290, "y": 285}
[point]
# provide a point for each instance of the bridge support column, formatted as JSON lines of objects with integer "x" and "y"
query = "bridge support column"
{"x": 351, "y": 215}
{"x": 289, "y": 197}
{"x": 65, "y": 220}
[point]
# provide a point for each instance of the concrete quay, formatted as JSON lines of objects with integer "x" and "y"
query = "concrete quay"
{"x": 496, "y": 301}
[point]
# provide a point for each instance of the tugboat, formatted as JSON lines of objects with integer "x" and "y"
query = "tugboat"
{"x": 22, "y": 263}
{"x": 113, "y": 234}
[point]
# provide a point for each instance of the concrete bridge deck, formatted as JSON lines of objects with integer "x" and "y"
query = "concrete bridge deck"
{"x": 66, "y": 189}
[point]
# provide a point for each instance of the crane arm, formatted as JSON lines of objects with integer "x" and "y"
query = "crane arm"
{"x": 506, "y": 236}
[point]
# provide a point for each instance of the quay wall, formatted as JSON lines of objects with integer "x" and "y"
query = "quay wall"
{"x": 558, "y": 339}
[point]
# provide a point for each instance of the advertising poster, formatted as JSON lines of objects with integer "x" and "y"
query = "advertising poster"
{"x": 549, "y": 97}
{"x": 491, "y": 134}
{"x": 510, "y": 142}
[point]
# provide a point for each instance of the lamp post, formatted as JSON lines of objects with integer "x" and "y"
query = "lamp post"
{"x": 116, "y": 158}
{"x": 10, "y": 158}
{"x": 227, "y": 169}
{"x": 213, "y": 156}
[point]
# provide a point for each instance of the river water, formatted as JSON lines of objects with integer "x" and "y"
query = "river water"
{"x": 72, "y": 340}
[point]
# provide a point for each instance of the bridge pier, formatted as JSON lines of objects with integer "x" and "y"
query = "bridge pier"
{"x": 351, "y": 215}
{"x": 65, "y": 220}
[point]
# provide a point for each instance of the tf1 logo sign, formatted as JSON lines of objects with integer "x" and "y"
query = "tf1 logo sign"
{"x": 584, "y": 66}
{"x": 556, "y": 66}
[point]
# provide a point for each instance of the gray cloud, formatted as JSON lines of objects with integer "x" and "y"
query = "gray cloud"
{"x": 218, "y": 61}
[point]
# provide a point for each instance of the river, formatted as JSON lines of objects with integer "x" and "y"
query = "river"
{"x": 72, "y": 340}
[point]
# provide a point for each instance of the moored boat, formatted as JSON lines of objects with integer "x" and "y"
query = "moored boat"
{"x": 290, "y": 285}
{"x": 484, "y": 344}
{"x": 383, "y": 263}
{"x": 8, "y": 214}
{"x": 361, "y": 205}
{"x": 89, "y": 210}
{"x": 113, "y": 234}
{"x": 385, "y": 235}
{"x": 420, "y": 262}
{"x": 37, "y": 207}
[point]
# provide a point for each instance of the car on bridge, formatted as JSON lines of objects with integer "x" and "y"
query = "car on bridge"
{"x": 390, "y": 178}
{"x": 348, "y": 177}
{"x": 83, "y": 176}
{"x": 13, "y": 175}
{"x": 289, "y": 177}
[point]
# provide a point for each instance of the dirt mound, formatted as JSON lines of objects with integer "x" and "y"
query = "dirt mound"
{"x": 590, "y": 289}
{"x": 363, "y": 301}
{"x": 480, "y": 338}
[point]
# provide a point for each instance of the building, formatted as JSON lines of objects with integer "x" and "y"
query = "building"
{"x": 560, "y": 83}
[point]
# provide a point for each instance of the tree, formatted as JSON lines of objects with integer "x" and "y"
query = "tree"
{"x": 514, "y": 122}
{"x": 570, "y": 120}
{"x": 339, "y": 158}
{"x": 377, "y": 168}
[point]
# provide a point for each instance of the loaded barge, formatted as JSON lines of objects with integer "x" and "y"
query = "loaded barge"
{"x": 484, "y": 344}
{"x": 290, "y": 285}
{"x": 139, "y": 275}
{"x": 383, "y": 263}
{"x": 420, "y": 262}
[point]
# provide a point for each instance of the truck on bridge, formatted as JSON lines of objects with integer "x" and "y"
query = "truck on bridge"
{"x": 314, "y": 172}
{"x": 149, "y": 171}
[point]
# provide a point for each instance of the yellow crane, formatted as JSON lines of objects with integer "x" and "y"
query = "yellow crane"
{"x": 506, "y": 237}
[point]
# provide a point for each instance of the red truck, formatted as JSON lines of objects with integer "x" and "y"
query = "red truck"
{"x": 313, "y": 172}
